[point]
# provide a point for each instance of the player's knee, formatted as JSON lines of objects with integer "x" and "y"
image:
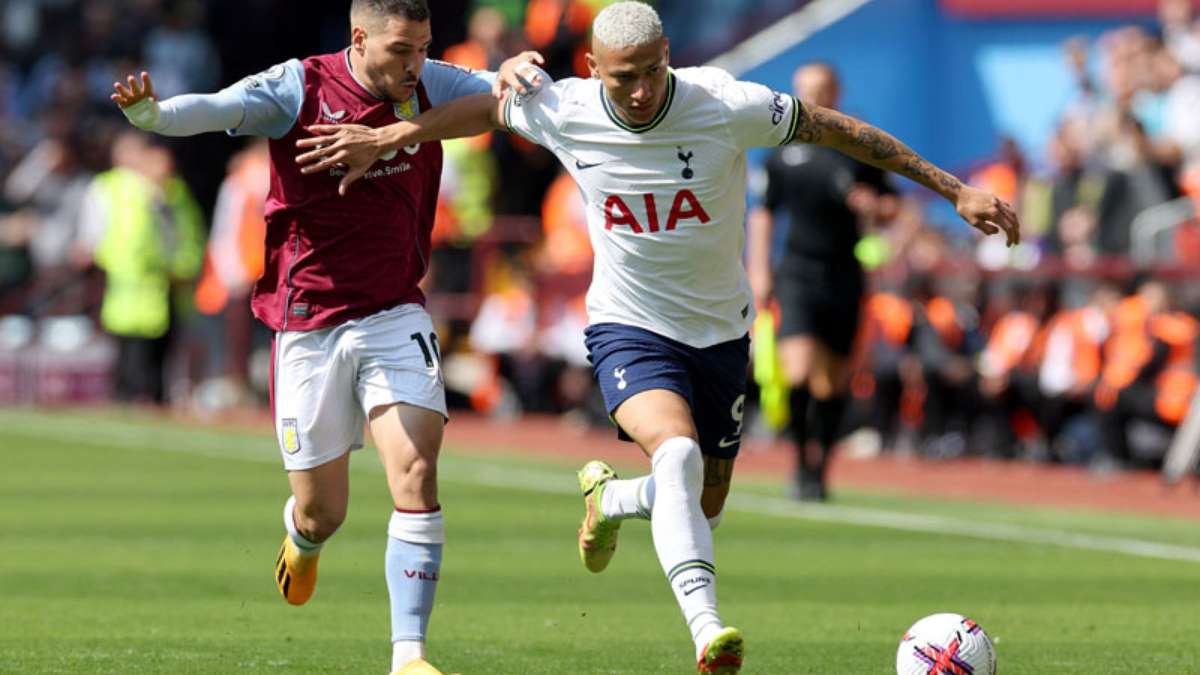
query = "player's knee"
{"x": 418, "y": 474}
{"x": 677, "y": 465}
{"x": 317, "y": 521}
{"x": 667, "y": 433}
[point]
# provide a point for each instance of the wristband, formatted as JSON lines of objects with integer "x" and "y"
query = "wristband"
{"x": 144, "y": 114}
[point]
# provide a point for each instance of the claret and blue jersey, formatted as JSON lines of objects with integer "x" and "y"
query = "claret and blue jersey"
{"x": 273, "y": 98}
{"x": 332, "y": 258}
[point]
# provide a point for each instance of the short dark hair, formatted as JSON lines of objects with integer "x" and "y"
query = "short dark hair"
{"x": 413, "y": 10}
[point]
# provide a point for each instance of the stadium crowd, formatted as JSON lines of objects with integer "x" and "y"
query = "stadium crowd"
{"x": 1080, "y": 345}
{"x": 1077, "y": 346}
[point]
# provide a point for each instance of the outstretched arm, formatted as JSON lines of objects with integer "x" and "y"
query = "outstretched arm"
{"x": 264, "y": 104}
{"x": 184, "y": 115}
{"x": 871, "y": 145}
{"x": 358, "y": 147}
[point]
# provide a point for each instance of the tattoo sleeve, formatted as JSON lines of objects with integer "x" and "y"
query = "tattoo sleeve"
{"x": 717, "y": 471}
{"x": 868, "y": 144}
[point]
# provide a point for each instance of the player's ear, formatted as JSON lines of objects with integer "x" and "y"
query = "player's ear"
{"x": 358, "y": 39}
{"x": 593, "y": 67}
{"x": 666, "y": 51}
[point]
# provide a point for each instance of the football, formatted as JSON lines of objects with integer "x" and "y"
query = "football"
{"x": 945, "y": 644}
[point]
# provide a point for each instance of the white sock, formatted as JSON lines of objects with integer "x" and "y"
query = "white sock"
{"x": 716, "y": 520}
{"x": 682, "y": 536}
{"x": 633, "y": 498}
{"x": 405, "y": 652}
{"x": 306, "y": 547}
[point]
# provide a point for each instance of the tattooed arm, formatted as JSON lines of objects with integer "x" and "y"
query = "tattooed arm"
{"x": 983, "y": 210}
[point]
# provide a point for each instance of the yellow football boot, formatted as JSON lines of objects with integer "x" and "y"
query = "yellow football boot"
{"x": 295, "y": 574}
{"x": 597, "y": 534}
{"x": 417, "y": 667}
{"x": 723, "y": 654}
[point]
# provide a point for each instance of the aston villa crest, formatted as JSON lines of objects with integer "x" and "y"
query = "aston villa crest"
{"x": 406, "y": 110}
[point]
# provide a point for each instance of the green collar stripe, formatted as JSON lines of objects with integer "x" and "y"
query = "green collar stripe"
{"x": 643, "y": 128}
{"x": 791, "y": 134}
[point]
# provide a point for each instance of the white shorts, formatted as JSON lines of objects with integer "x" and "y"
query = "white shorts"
{"x": 327, "y": 381}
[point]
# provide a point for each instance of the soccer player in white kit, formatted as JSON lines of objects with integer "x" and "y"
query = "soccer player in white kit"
{"x": 659, "y": 155}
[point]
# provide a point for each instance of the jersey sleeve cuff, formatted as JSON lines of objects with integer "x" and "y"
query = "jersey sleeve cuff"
{"x": 508, "y": 103}
{"x": 791, "y": 132}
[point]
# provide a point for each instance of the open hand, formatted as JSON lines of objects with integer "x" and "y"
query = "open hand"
{"x": 354, "y": 146}
{"x": 518, "y": 74}
{"x": 133, "y": 90}
{"x": 988, "y": 213}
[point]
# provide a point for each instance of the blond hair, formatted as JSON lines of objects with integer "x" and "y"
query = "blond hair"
{"x": 627, "y": 24}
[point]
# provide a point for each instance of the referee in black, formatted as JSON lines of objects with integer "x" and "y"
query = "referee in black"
{"x": 817, "y": 281}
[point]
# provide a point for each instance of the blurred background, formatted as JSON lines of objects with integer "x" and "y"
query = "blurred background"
{"x": 1075, "y": 347}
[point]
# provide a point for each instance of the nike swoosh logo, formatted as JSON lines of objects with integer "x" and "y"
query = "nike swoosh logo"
{"x": 581, "y": 166}
{"x": 726, "y": 443}
{"x": 335, "y": 116}
{"x": 694, "y": 589}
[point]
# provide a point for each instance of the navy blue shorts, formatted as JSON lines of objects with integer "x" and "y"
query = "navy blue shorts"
{"x": 628, "y": 361}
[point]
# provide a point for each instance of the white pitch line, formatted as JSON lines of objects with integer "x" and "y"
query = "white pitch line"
{"x": 477, "y": 471}
{"x": 492, "y": 475}
{"x": 911, "y": 522}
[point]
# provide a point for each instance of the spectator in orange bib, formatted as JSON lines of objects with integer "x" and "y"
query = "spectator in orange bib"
{"x": 1149, "y": 373}
{"x": 1068, "y": 358}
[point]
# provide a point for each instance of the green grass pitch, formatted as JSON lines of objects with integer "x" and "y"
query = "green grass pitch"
{"x": 130, "y": 545}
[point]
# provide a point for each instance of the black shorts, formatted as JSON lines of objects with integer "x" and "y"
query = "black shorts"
{"x": 822, "y": 301}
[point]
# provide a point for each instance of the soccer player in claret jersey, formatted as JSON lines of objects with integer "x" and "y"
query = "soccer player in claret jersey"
{"x": 353, "y": 341}
{"x": 659, "y": 155}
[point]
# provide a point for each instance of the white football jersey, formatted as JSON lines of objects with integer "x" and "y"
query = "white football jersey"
{"x": 666, "y": 201}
